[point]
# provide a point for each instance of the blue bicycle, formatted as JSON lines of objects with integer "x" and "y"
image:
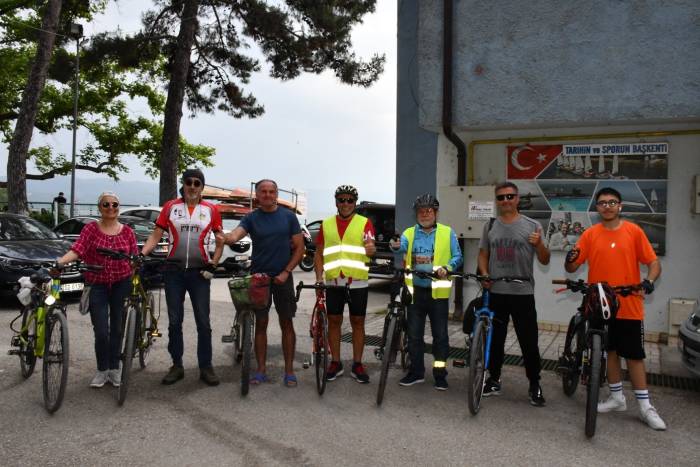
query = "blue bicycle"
{"x": 479, "y": 341}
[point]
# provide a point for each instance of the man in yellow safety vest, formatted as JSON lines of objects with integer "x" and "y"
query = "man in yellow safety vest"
{"x": 343, "y": 247}
{"x": 431, "y": 247}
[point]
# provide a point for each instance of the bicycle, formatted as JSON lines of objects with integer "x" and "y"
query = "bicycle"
{"x": 478, "y": 342}
{"x": 248, "y": 294}
{"x": 140, "y": 320}
{"x": 395, "y": 332}
{"x": 44, "y": 330}
{"x": 584, "y": 357}
{"x": 318, "y": 330}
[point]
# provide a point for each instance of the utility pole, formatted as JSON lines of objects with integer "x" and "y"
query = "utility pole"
{"x": 76, "y": 31}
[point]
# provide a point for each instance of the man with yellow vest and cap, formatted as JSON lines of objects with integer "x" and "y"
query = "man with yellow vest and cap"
{"x": 431, "y": 247}
{"x": 346, "y": 242}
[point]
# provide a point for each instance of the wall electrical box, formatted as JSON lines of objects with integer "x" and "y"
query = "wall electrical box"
{"x": 466, "y": 208}
{"x": 678, "y": 311}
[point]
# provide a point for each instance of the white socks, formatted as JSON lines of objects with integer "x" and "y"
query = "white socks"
{"x": 642, "y": 396}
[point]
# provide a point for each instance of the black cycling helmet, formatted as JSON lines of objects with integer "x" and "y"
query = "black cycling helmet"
{"x": 601, "y": 303}
{"x": 426, "y": 201}
{"x": 346, "y": 190}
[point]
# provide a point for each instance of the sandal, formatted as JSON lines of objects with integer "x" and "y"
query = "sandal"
{"x": 259, "y": 378}
{"x": 290, "y": 380}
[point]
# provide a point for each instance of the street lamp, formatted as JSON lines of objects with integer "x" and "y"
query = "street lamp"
{"x": 76, "y": 31}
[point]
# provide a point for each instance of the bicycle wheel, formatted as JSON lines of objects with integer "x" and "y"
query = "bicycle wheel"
{"x": 573, "y": 355}
{"x": 388, "y": 357}
{"x": 247, "y": 350}
{"x": 127, "y": 351}
{"x": 593, "y": 385}
{"x": 56, "y": 358}
{"x": 321, "y": 350}
{"x": 476, "y": 374}
{"x": 27, "y": 358}
{"x": 405, "y": 360}
{"x": 144, "y": 337}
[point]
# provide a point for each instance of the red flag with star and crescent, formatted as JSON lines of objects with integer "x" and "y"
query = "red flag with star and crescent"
{"x": 527, "y": 161}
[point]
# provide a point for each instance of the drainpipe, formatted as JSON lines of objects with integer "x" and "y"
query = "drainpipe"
{"x": 447, "y": 55}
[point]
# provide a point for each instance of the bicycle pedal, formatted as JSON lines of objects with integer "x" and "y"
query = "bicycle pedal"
{"x": 227, "y": 339}
{"x": 156, "y": 334}
{"x": 459, "y": 363}
{"x": 14, "y": 352}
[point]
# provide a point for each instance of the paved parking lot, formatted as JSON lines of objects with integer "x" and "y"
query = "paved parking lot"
{"x": 189, "y": 423}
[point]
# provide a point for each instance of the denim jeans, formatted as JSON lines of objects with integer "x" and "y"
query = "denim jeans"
{"x": 106, "y": 312}
{"x": 176, "y": 284}
{"x": 437, "y": 310}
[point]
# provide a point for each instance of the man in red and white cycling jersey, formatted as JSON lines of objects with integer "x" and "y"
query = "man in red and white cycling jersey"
{"x": 189, "y": 221}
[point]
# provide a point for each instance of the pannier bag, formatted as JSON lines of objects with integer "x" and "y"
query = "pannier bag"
{"x": 250, "y": 291}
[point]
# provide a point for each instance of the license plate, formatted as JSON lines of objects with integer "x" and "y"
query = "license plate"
{"x": 382, "y": 262}
{"x": 161, "y": 249}
{"x": 240, "y": 258}
{"x": 74, "y": 287}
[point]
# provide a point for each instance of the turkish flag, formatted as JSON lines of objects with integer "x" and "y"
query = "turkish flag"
{"x": 528, "y": 161}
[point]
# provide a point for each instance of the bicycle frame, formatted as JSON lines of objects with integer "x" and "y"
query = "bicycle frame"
{"x": 485, "y": 312}
{"x": 39, "y": 315}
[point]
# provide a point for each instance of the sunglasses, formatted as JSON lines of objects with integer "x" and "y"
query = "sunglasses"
{"x": 345, "y": 200}
{"x": 107, "y": 204}
{"x": 509, "y": 197}
{"x": 610, "y": 203}
{"x": 195, "y": 182}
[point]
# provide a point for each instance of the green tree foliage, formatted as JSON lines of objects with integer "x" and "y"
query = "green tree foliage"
{"x": 206, "y": 46}
{"x": 108, "y": 88}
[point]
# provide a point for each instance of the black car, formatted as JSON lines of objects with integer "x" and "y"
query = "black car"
{"x": 382, "y": 217}
{"x": 23, "y": 239}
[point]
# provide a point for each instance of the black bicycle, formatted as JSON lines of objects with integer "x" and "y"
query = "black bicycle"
{"x": 395, "y": 333}
{"x": 584, "y": 357}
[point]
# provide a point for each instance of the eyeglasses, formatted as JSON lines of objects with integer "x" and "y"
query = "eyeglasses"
{"x": 195, "y": 182}
{"x": 610, "y": 203}
{"x": 509, "y": 197}
{"x": 107, "y": 204}
{"x": 345, "y": 200}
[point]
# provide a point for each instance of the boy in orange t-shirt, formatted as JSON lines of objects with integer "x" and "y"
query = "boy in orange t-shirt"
{"x": 614, "y": 249}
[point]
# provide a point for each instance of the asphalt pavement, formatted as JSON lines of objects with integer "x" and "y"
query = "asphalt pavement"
{"x": 189, "y": 423}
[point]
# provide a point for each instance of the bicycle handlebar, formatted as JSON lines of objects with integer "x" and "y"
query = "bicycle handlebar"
{"x": 301, "y": 286}
{"x": 139, "y": 259}
{"x": 466, "y": 275}
{"x": 583, "y": 287}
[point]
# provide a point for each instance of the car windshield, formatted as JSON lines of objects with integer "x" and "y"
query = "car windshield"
{"x": 22, "y": 228}
{"x": 230, "y": 224}
{"x": 142, "y": 228}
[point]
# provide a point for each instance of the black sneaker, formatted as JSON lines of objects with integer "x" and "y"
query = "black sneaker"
{"x": 536, "y": 397}
{"x": 440, "y": 383}
{"x": 335, "y": 369}
{"x": 410, "y": 379}
{"x": 492, "y": 387}
{"x": 175, "y": 374}
{"x": 208, "y": 376}
{"x": 359, "y": 373}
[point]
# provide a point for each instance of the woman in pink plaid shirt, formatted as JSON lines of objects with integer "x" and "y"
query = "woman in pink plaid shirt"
{"x": 110, "y": 286}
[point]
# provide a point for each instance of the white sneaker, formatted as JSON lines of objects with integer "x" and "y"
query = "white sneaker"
{"x": 100, "y": 379}
{"x": 612, "y": 404}
{"x": 651, "y": 417}
{"x": 115, "y": 377}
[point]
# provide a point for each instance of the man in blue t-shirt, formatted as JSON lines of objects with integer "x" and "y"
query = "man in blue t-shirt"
{"x": 278, "y": 248}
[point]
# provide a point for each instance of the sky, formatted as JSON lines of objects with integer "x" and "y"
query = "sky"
{"x": 316, "y": 133}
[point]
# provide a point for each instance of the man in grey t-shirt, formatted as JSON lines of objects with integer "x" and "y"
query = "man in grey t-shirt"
{"x": 508, "y": 248}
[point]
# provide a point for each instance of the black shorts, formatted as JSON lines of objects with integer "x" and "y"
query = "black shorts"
{"x": 336, "y": 299}
{"x": 284, "y": 299}
{"x": 626, "y": 337}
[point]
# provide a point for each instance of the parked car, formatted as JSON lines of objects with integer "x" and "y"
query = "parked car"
{"x": 25, "y": 239}
{"x": 150, "y": 213}
{"x": 382, "y": 217}
{"x": 689, "y": 342}
{"x": 234, "y": 257}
